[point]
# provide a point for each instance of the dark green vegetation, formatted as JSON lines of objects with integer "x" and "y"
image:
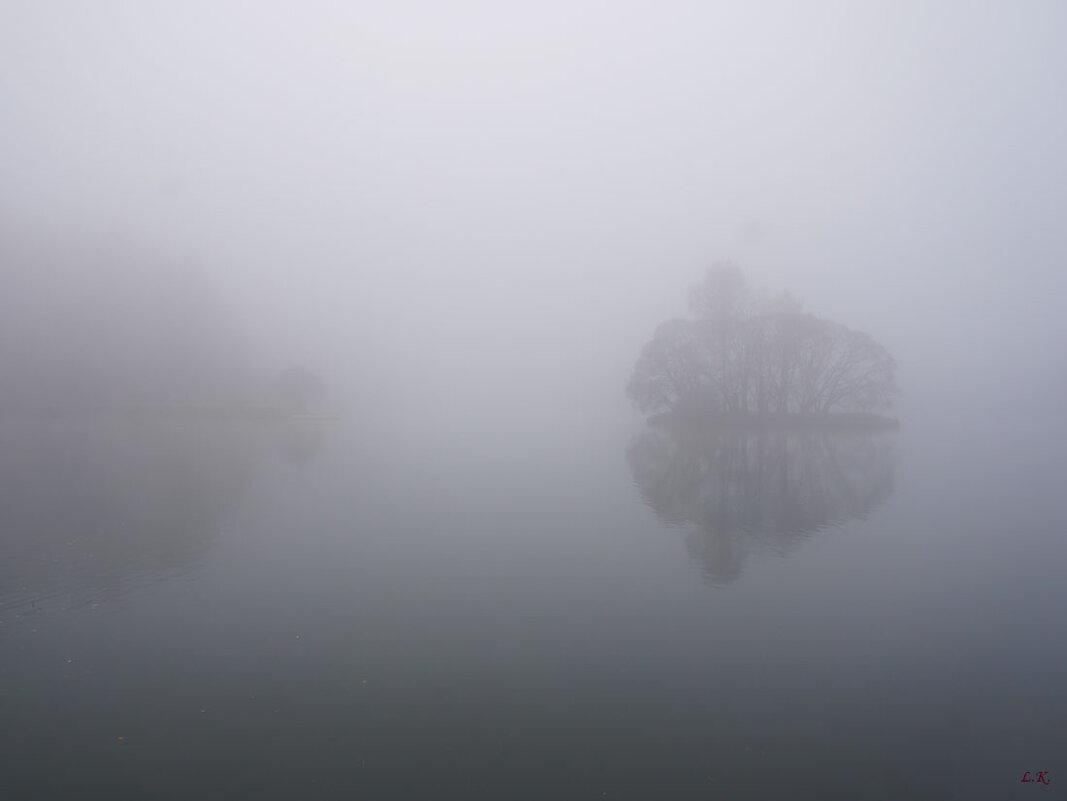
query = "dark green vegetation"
{"x": 751, "y": 358}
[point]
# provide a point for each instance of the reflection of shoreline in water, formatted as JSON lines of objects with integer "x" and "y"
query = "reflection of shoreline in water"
{"x": 745, "y": 491}
{"x": 90, "y": 510}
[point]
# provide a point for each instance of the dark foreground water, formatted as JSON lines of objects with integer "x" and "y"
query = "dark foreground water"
{"x": 308, "y": 611}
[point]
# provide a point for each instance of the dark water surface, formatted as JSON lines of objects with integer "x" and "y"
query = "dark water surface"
{"x": 213, "y": 610}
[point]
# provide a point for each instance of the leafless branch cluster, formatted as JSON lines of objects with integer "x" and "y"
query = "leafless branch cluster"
{"x": 745, "y": 354}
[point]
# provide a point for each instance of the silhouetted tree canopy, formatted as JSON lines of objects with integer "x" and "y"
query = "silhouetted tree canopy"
{"x": 749, "y": 354}
{"x": 296, "y": 390}
{"x": 88, "y": 325}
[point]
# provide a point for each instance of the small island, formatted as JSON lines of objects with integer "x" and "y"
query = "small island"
{"x": 756, "y": 360}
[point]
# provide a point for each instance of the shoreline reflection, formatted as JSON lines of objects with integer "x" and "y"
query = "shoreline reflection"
{"x": 91, "y": 511}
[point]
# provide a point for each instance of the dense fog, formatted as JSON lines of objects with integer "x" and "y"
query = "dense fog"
{"x": 470, "y": 217}
{"x": 532, "y": 400}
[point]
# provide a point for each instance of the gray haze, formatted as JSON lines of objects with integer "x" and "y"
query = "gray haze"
{"x": 318, "y": 475}
{"x": 475, "y": 211}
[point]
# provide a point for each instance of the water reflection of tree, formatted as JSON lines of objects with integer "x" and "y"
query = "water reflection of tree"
{"x": 747, "y": 491}
{"x": 88, "y": 512}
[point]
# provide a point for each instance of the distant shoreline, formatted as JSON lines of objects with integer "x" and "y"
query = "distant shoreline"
{"x": 236, "y": 412}
{"x": 839, "y": 421}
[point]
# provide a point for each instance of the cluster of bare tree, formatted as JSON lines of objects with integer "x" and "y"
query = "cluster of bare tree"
{"x": 86, "y": 324}
{"x": 747, "y": 353}
{"x": 95, "y": 326}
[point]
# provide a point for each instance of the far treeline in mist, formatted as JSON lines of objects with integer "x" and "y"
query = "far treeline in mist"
{"x": 100, "y": 327}
{"x": 756, "y": 357}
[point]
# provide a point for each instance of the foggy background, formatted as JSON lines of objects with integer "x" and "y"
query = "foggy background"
{"x": 470, "y": 216}
{"x": 490, "y": 576}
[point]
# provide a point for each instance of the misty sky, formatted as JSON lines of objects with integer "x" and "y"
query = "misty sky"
{"x": 512, "y": 196}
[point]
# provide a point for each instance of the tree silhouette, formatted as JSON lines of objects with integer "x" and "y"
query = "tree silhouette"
{"x": 92, "y": 326}
{"x": 752, "y": 355}
{"x": 296, "y": 390}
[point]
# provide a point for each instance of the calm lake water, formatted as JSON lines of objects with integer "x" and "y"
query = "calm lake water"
{"x": 316, "y": 610}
